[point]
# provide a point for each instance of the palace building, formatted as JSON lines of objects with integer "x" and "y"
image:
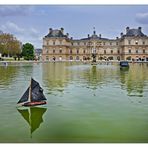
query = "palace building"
{"x": 58, "y": 46}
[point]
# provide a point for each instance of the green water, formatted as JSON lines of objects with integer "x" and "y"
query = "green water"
{"x": 85, "y": 103}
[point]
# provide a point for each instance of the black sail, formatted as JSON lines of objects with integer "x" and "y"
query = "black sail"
{"x": 36, "y": 91}
{"x": 25, "y": 96}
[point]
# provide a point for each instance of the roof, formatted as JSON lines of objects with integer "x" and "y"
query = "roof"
{"x": 38, "y": 50}
{"x": 56, "y": 33}
{"x": 134, "y": 32}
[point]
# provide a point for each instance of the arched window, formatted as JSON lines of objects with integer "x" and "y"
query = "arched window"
{"x": 143, "y": 50}
{"x": 71, "y": 57}
{"x": 84, "y": 58}
{"x": 70, "y": 51}
{"x": 60, "y": 51}
{"x": 77, "y": 57}
{"x": 47, "y": 58}
{"x": 129, "y": 51}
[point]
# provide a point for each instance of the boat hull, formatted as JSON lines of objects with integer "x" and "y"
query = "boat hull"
{"x": 34, "y": 103}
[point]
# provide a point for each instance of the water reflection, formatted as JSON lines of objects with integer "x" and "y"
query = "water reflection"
{"x": 97, "y": 76}
{"x": 7, "y": 75}
{"x": 55, "y": 76}
{"x": 33, "y": 116}
{"x": 134, "y": 79}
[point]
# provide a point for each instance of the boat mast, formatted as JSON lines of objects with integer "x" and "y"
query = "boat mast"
{"x": 29, "y": 98}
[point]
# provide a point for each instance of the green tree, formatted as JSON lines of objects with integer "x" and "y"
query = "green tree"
{"x": 28, "y": 51}
{"x": 9, "y": 45}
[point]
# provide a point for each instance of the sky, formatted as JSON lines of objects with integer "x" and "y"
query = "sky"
{"x": 30, "y": 23}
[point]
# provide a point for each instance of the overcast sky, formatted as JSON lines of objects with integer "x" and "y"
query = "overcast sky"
{"x": 31, "y": 23}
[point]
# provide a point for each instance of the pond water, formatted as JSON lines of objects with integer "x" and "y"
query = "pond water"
{"x": 86, "y": 103}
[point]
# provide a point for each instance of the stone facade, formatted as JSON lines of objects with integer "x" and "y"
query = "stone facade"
{"x": 133, "y": 45}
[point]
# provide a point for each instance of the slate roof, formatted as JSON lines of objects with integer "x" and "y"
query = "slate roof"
{"x": 94, "y": 36}
{"x": 134, "y": 32}
{"x": 56, "y": 33}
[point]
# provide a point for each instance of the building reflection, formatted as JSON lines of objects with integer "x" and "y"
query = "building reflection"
{"x": 56, "y": 76}
{"x": 97, "y": 76}
{"x": 134, "y": 78}
{"x": 33, "y": 116}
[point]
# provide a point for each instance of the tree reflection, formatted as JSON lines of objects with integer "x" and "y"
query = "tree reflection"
{"x": 7, "y": 74}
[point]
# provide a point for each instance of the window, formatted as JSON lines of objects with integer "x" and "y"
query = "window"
{"x": 84, "y": 51}
{"x": 71, "y": 43}
{"x": 53, "y": 42}
{"x": 77, "y": 51}
{"x": 60, "y": 42}
{"x": 77, "y": 57}
{"x": 111, "y": 51}
{"x": 53, "y": 51}
{"x": 70, "y": 51}
{"x": 136, "y": 51}
{"x": 136, "y": 42}
{"x": 71, "y": 58}
{"x": 143, "y": 42}
{"x": 104, "y": 51}
{"x": 129, "y": 51}
{"x": 143, "y": 50}
{"x": 60, "y": 51}
{"x": 116, "y": 43}
{"x": 129, "y": 42}
{"x": 78, "y": 43}
{"x": 118, "y": 51}
{"x": 47, "y": 51}
{"x": 110, "y": 43}
{"x": 103, "y": 43}
{"x": 47, "y": 58}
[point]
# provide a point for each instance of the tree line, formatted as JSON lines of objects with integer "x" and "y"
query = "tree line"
{"x": 11, "y": 47}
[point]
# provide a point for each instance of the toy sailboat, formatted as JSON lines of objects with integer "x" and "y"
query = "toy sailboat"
{"x": 33, "y": 96}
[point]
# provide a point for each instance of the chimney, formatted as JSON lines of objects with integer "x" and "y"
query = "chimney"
{"x": 99, "y": 35}
{"x": 127, "y": 29}
{"x": 62, "y": 30}
{"x": 139, "y": 28}
{"x": 121, "y": 34}
{"x": 88, "y": 35}
{"x": 50, "y": 29}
